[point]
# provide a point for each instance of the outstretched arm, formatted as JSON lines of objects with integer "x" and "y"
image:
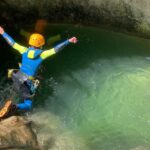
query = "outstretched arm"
{"x": 58, "y": 48}
{"x": 11, "y": 41}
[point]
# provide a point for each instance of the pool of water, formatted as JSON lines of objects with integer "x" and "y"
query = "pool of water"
{"x": 96, "y": 94}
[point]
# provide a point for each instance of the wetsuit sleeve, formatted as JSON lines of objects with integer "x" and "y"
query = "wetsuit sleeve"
{"x": 11, "y": 42}
{"x": 56, "y": 49}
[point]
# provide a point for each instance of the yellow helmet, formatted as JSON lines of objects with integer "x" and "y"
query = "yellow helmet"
{"x": 36, "y": 40}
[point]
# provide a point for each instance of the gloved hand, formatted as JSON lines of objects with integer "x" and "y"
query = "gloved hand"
{"x": 1, "y": 30}
{"x": 73, "y": 40}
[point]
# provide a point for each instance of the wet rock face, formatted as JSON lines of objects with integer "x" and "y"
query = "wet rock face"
{"x": 16, "y": 133}
{"x": 129, "y": 14}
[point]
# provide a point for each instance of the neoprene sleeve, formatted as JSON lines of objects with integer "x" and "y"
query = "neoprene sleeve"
{"x": 8, "y": 39}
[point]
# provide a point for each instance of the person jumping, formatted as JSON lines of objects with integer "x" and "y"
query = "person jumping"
{"x": 24, "y": 79}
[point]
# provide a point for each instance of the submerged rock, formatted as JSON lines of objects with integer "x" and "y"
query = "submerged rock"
{"x": 139, "y": 148}
{"x": 17, "y": 133}
{"x": 53, "y": 135}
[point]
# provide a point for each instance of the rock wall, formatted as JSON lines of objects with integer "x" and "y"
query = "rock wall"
{"x": 128, "y": 14}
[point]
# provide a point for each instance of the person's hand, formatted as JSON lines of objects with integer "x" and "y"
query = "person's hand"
{"x": 73, "y": 40}
{"x": 1, "y": 30}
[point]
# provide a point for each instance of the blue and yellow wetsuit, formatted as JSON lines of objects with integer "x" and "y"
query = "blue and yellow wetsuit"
{"x": 31, "y": 60}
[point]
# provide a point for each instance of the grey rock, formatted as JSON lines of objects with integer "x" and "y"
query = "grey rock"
{"x": 128, "y": 14}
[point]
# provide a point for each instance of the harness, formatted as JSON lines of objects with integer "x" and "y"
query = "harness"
{"x": 29, "y": 81}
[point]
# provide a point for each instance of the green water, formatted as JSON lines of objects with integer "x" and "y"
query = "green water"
{"x": 96, "y": 94}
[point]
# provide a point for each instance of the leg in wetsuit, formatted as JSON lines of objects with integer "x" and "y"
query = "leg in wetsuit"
{"x": 24, "y": 87}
